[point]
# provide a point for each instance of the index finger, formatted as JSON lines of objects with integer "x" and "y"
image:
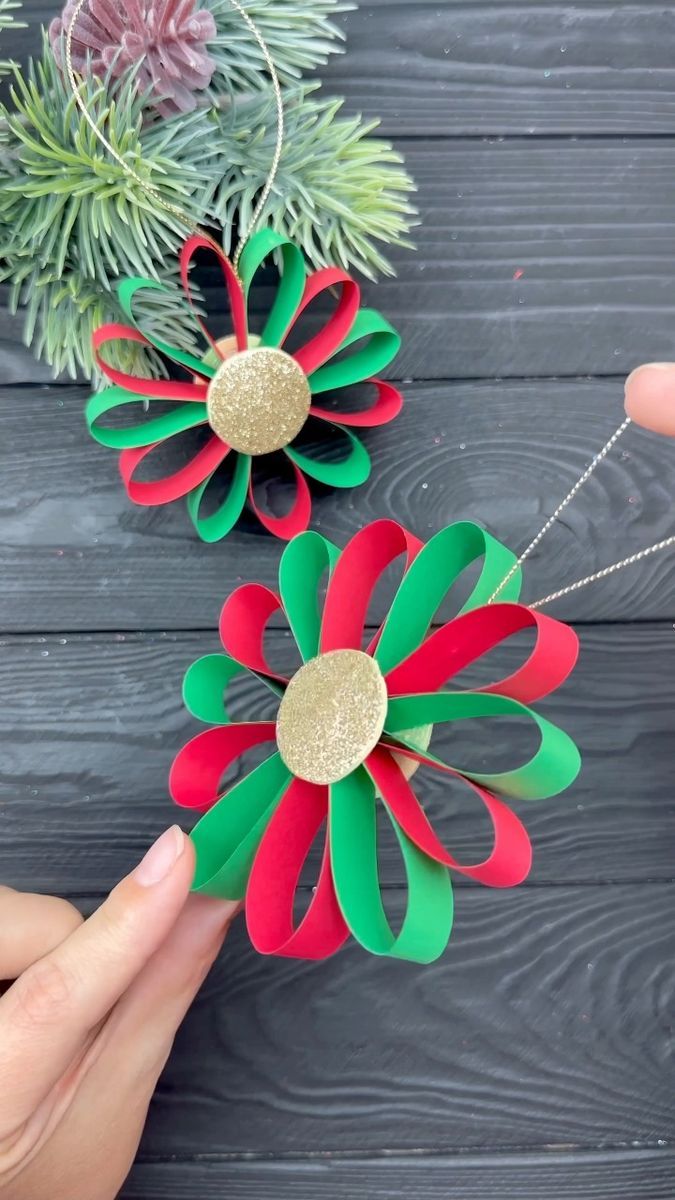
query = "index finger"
{"x": 46, "y": 1015}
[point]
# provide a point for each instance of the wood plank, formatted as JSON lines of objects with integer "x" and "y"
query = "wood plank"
{"x": 76, "y": 554}
{"x": 547, "y": 1025}
{"x": 612, "y": 1175}
{"x": 530, "y": 67}
{"x": 90, "y": 726}
{"x": 535, "y": 259}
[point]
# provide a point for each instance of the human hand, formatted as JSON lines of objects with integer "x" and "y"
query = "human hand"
{"x": 88, "y": 1025}
{"x": 650, "y": 397}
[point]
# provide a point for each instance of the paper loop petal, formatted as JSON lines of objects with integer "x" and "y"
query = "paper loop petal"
{"x": 510, "y": 859}
{"x": 227, "y": 837}
{"x": 215, "y": 525}
{"x": 234, "y": 292}
{"x": 381, "y": 345}
{"x": 293, "y": 522}
{"x": 243, "y": 620}
{"x": 332, "y": 335}
{"x": 160, "y": 389}
{"x": 427, "y": 924}
{"x": 291, "y": 284}
{"x": 386, "y": 406}
{"x": 363, "y": 560}
{"x": 205, "y": 686}
{"x": 148, "y": 429}
{"x": 429, "y": 579}
{"x": 346, "y": 472}
{"x": 171, "y": 487}
{"x": 454, "y": 646}
{"x": 197, "y": 770}
{"x": 275, "y": 874}
{"x": 126, "y": 291}
{"x": 551, "y": 769}
{"x": 302, "y": 566}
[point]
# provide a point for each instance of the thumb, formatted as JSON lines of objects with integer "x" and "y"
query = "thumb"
{"x": 650, "y": 397}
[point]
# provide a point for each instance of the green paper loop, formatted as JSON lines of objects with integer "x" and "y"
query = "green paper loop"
{"x": 204, "y": 686}
{"x": 382, "y": 346}
{"x": 146, "y": 432}
{"x": 291, "y": 283}
{"x": 228, "y": 835}
{"x": 126, "y": 291}
{"x": 217, "y": 524}
{"x": 553, "y": 767}
{"x": 353, "y": 847}
{"x": 429, "y": 578}
{"x": 348, "y": 472}
{"x": 302, "y": 565}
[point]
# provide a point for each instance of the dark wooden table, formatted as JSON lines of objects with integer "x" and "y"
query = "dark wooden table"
{"x": 535, "y": 1059}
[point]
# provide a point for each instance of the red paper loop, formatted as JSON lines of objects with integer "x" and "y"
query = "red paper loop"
{"x": 234, "y": 290}
{"x": 161, "y": 389}
{"x": 198, "y": 768}
{"x": 328, "y": 340}
{"x": 297, "y": 519}
{"x": 274, "y": 878}
{"x": 171, "y": 487}
{"x": 243, "y": 620}
{"x": 510, "y": 859}
{"x": 386, "y": 406}
{"x": 362, "y": 562}
{"x": 462, "y": 641}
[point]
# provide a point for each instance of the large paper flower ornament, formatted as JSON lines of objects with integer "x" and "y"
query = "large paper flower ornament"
{"x": 247, "y": 393}
{"x": 349, "y": 723}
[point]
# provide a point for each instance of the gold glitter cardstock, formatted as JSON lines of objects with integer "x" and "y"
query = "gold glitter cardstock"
{"x": 258, "y": 400}
{"x": 331, "y": 715}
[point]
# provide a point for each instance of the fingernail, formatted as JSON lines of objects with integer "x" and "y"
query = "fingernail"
{"x": 650, "y": 367}
{"x": 160, "y": 858}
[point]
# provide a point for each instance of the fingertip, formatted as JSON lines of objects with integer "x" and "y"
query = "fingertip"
{"x": 650, "y": 397}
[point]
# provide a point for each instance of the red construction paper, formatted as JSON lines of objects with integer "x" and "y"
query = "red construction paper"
{"x": 171, "y": 487}
{"x": 197, "y": 770}
{"x": 328, "y": 340}
{"x": 509, "y": 861}
{"x": 274, "y": 878}
{"x": 296, "y": 520}
{"x": 386, "y": 406}
{"x": 161, "y": 389}
{"x": 244, "y": 618}
{"x": 362, "y": 562}
{"x": 459, "y": 643}
{"x": 232, "y": 284}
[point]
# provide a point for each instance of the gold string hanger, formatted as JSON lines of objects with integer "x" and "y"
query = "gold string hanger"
{"x": 149, "y": 188}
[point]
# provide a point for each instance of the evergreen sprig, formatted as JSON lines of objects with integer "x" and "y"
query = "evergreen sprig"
{"x": 300, "y": 36}
{"x": 8, "y": 21}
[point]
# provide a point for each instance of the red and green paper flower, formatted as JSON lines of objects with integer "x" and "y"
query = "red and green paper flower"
{"x": 349, "y": 723}
{"x": 247, "y": 393}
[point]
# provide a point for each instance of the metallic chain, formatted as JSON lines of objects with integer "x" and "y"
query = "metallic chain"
{"x": 618, "y": 566}
{"x": 149, "y": 188}
{"x": 563, "y": 505}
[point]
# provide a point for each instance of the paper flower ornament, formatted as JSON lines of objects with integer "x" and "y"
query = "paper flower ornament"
{"x": 348, "y": 724}
{"x": 247, "y": 393}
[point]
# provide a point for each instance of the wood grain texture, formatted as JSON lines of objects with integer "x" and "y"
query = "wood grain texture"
{"x": 77, "y": 555}
{"x": 455, "y": 68}
{"x": 548, "y": 1022}
{"x": 614, "y": 1175}
{"x": 535, "y": 259}
{"x": 91, "y": 726}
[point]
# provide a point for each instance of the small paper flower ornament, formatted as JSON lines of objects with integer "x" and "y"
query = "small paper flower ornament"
{"x": 349, "y": 723}
{"x": 247, "y": 392}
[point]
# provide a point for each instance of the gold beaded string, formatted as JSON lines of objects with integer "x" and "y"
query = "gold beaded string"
{"x": 149, "y": 188}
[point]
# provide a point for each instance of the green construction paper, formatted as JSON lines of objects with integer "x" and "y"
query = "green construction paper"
{"x": 429, "y": 578}
{"x": 153, "y": 429}
{"x": 217, "y": 524}
{"x": 551, "y": 769}
{"x": 348, "y": 472}
{"x": 302, "y": 565}
{"x": 228, "y": 835}
{"x": 204, "y": 686}
{"x": 291, "y": 283}
{"x": 381, "y": 347}
{"x": 126, "y": 290}
{"x": 353, "y": 847}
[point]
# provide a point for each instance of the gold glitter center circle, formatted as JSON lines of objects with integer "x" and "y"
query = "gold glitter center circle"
{"x": 331, "y": 715}
{"x": 258, "y": 400}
